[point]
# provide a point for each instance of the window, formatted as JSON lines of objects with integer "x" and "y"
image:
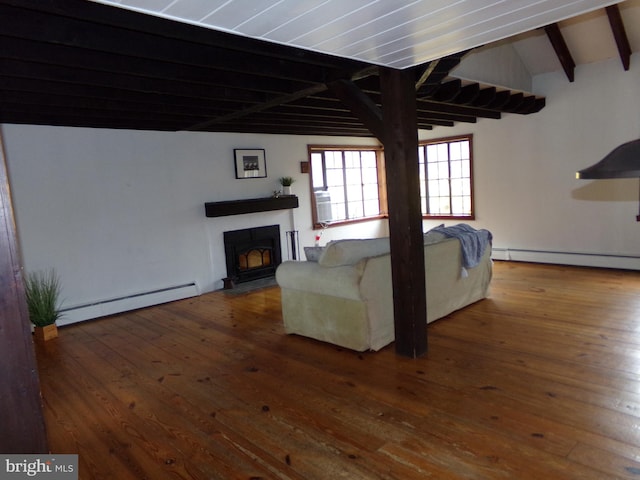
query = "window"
{"x": 446, "y": 177}
{"x": 345, "y": 185}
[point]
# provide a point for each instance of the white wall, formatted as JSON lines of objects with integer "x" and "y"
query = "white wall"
{"x": 526, "y": 192}
{"x": 118, "y": 213}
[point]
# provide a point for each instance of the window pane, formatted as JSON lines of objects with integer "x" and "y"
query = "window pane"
{"x": 369, "y": 160}
{"x": 371, "y": 208}
{"x": 443, "y": 152}
{"x": 370, "y": 176}
{"x": 455, "y": 151}
{"x": 456, "y": 169}
{"x": 446, "y": 187}
{"x": 354, "y": 193}
{"x": 432, "y": 170}
{"x": 339, "y": 211}
{"x": 333, "y": 159}
{"x": 337, "y": 194}
{"x": 334, "y": 177}
{"x": 464, "y": 149}
{"x": 439, "y": 205}
{"x": 345, "y": 183}
{"x": 351, "y": 160}
{"x": 466, "y": 168}
{"x": 434, "y": 188}
{"x": 353, "y": 176}
{"x": 466, "y": 205}
{"x": 432, "y": 153}
{"x": 443, "y": 170}
{"x": 457, "y": 187}
{"x": 443, "y": 186}
{"x": 356, "y": 210}
{"x": 456, "y": 205}
{"x": 316, "y": 170}
{"x": 370, "y": 192}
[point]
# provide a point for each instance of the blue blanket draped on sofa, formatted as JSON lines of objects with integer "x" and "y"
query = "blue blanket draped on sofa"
{"x": 472, "y": 242}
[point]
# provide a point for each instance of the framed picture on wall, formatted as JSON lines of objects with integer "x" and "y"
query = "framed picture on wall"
{"x": 250, "y": 163}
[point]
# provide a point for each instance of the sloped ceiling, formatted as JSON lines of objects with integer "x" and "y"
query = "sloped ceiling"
{"x": 83, "y": 63}
{"x": 513, "y": 62}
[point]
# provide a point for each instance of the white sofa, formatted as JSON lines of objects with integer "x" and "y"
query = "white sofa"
{"x": 345, "y": 298}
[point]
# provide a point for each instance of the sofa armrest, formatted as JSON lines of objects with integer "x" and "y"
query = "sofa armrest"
{"x": 342, "y": 282}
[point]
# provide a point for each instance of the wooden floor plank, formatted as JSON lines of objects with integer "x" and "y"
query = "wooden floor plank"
{"x": 541, "y": 380}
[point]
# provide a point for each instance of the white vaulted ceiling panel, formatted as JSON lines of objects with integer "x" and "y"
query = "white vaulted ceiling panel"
{"x": 395, "y": 33}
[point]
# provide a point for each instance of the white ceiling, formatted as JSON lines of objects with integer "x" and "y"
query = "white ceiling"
{"x": 394, "y": 33}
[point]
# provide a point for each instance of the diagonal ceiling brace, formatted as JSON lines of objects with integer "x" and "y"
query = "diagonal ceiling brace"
{"x": 620, "y": 35}
{"x": 275, "y": 102}
{"x": 360, "y": 104}
{"x": 427, "y": 73}
{"x": 562, "y": 51}
{"x": 260, "y": 107}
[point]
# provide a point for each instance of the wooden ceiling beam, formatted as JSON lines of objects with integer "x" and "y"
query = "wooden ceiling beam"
{"x": 93, "y": 13}
{"x": 620, "y": 35}
{"x": 435, "y": 71}
{"x": 299, "y": 129}
{"x": 362, "y": 106}
{"x": 61, "y": 59}
{"x": 74, "y": 59}
{"x": 468, "y": 94}
{"x": 448, "y": 92}
{"x": 59, "y": 80}
{"x": 114, "y": 105}
{"x": 426, "y": 73}
{"x": 438, "y": 107}
{"x": 32, "y": 25}
{"x": 562, "y": 51}
{"x": 485, "y": 97}
{"x": 259, "y": 108}
{"x": 500, "y": 100}
{"x": 436, "y": 122}
{"x": 80, "y": 119}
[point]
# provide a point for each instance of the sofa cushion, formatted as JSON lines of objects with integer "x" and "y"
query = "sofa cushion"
{"x": 351, "y": 251}
{"x": 342, "y": 281}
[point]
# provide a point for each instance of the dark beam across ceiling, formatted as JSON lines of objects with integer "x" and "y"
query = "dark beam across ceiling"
{"x": 562, "y": 51}
{"x": 80, "y": 63}
{"x": 620, "y": 35}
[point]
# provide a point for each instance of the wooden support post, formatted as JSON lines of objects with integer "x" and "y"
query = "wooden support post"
{"x": 22, "y": 421}
{"x": 405, "y": 214}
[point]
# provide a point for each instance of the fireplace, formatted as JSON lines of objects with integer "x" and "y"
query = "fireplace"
{"x": 252, "y": 253}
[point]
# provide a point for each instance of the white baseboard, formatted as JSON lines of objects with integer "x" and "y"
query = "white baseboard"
{"x": 123, "y": 304}
{"x": 625, "y": 262}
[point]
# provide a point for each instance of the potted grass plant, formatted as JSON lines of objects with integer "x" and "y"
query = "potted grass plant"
{"x": 42, "y": 289}
{"x": 286, "y": 183}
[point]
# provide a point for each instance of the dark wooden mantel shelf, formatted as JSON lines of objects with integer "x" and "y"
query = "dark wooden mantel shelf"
{"x": 250, "y": 205}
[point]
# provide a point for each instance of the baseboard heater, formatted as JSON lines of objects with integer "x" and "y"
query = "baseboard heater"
{"x": 603, "y": 260}
{"x": 112, "y": 306}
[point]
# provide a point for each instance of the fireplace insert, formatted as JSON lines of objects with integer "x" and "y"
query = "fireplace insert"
{"x": 252, "y": 253}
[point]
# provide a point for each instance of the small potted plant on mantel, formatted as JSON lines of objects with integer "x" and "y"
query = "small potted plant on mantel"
{"x": 286, "y": 183}
{"x": 42, "y": 290}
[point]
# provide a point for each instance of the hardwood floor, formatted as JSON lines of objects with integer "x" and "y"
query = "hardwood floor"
{"x": 541, "y": 380}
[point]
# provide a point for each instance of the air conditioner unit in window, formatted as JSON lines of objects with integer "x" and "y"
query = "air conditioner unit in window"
{"x": 323, "y": 206}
